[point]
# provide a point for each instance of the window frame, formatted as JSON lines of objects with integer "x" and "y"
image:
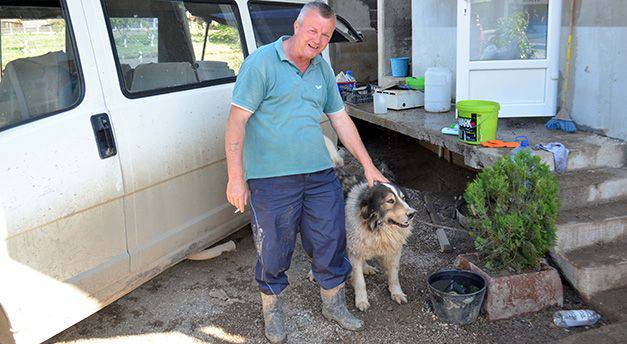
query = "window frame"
{"x": 179, "y": 88}
{"x": 79, "y": 68}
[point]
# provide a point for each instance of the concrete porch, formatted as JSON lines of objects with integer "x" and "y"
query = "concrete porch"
{"x": 591, "y": 248}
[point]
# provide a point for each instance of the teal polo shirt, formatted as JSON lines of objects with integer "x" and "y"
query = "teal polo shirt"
{"x": 283, "y": 135}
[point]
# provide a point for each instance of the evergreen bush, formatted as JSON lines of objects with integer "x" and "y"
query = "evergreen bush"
{"x": 513, "y": 206}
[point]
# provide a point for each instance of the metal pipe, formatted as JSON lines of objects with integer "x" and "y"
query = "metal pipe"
{"x": 213, "y": 251}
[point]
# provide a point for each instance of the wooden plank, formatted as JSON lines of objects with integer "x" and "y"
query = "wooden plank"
{"x": 445, "y": 245}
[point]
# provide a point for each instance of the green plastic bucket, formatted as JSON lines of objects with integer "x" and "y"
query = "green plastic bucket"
{"x": 477, "y": 120}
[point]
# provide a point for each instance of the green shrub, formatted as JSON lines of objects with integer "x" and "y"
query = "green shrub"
{"x": 513, "y": 206}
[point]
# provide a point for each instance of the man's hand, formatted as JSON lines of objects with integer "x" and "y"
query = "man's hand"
{"x": 237, "y": 193}
{"x": 372, "y": 175}
{"x": 347, "y": 133}
{"x": 236, "y": 188}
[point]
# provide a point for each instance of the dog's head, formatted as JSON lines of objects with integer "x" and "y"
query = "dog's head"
{"x": 385, "y": 204}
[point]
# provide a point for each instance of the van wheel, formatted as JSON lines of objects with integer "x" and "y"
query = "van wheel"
{"x": 6, "y": 336}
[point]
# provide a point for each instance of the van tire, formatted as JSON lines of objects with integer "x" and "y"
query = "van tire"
{"x": 6, "y": 336}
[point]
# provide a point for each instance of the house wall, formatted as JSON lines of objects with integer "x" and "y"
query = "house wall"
{"x": 361, "y": 58}
{"x": 599, "y": 64}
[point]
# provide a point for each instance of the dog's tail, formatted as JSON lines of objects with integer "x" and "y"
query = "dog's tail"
{"x": 333, "y": 152}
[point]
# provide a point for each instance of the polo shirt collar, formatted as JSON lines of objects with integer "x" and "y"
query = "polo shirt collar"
{"x": 278, "y": 46}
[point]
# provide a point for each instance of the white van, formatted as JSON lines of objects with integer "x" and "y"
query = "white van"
{"x": 112, "y": 166}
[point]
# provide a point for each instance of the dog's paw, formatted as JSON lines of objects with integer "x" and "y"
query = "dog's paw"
{"x": 399, "y": 297}
{"x": 362, "y": 304}
{"x": 370, "y": 270}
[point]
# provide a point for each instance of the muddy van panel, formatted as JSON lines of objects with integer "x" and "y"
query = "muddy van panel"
{"x": 61, "y": 209}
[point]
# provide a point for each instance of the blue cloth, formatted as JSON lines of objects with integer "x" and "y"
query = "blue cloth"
{"x": 280, "y": 206}
{"x": 283, "y": 136}
{"x": 560, "y": 154}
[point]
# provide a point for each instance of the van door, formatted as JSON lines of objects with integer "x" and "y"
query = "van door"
{"x": 62, "y": 235}
{"x": 168, "y": 69}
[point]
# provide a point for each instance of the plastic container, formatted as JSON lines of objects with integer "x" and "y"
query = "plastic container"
{"x": 417, "y": 83}
{"x": 477, "y": 120}
{"x": 400, "y": 66}
{"x": 456, "y": 295}
{"x": 438, "y": 89}
{"x": 380, "y": 106}
{"x": 575, "y": 318}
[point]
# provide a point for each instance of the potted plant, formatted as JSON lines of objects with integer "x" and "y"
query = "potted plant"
{"x": 512, "y": 209}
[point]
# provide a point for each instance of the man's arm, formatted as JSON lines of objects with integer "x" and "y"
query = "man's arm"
{"x": 348, "y": 135}
{"x": 236, "y": 188}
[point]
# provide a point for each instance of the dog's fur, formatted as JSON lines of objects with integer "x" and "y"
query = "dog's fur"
{"x": 378, "y": 223}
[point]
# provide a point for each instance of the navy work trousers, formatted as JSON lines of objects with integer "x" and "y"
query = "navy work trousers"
{"x": 281, "y": 206}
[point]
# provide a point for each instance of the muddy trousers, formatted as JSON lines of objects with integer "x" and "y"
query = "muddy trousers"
{"x": 311, "y": 203}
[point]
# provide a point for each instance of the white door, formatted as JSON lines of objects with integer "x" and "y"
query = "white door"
{"x": 508, "y": 52}
{"x": 62, "y": 235}
{"x": 168, "y": 70}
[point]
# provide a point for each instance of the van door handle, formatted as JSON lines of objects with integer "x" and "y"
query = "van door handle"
{"x": 104, "y": 135}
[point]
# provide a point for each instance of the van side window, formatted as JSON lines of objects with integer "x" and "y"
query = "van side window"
{"x": 40, "y": 72}
{"x": 272, "y": 20}
{"x": 163, "y": 45}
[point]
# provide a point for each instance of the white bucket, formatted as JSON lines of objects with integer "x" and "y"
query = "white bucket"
{"x": 438, "y": 89}
{"x": 380, "y": 105}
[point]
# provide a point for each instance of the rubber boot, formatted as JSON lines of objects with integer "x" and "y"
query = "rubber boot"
{"x": 334, "y": 308}
{"x": 273, "y": 318}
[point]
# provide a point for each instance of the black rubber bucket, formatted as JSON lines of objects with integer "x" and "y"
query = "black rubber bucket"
{"x": 456, "y": 295}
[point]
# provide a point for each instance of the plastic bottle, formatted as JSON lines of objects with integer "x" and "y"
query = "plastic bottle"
{"x": 340, "y": 77}
{"x": 524, "y": 145}
{"x": 349, "y": 76}
{"x": 438, "y": 89}
{"x": 575, "y": 318}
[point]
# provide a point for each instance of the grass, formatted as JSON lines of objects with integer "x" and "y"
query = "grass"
{"x": 20, "y": 45}
{"x": 223, "y": 45}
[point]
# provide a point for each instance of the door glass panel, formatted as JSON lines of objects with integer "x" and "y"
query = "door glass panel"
{"x": 168, "y": 44}
{"x": 508, "y": 29}
{"x": 39, "y": 69}
{"x": 272, "y": 20}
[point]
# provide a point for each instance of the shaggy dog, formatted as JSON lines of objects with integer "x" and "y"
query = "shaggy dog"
{"x": 378, "y": 223}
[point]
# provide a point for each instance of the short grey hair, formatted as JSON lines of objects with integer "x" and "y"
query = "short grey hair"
{"x": 323, "y": 9}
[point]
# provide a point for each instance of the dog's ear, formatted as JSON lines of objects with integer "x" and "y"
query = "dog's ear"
{"x": 374, "y": 220}
{"x": 371, "y": 215}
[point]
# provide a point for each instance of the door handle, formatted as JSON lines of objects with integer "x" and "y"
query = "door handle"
{"x": 104, "y": 135}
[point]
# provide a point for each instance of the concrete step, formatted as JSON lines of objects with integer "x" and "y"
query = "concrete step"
{"x": 612, "y": 304}
{"x": 579, "y": 189}
{"x": 595, "y": 268}
{"x": 609, "y": 334}
{"x": 580, "y": 227}
{"x": 595, "y": 151}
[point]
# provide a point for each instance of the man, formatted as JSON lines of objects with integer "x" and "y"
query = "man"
{"x": 275, "y": 148}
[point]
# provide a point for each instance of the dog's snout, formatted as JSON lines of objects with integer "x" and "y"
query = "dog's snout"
{"x": 410, "y": 214}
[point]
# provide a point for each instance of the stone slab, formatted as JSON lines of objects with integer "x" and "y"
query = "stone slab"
{"x": 595, "y": 268}
{"x": 591, "y": 187}
{"x": 588, "y": 150}
{"x": 586, "y": 226}
{"x": 612, "y": 304}
{"x": 609, "y": 334}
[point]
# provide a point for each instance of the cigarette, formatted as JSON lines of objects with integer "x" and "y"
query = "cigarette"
{"x": 237, "y": 211}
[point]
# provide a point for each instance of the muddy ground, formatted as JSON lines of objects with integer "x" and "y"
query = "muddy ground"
{"x": 217, "y": 301}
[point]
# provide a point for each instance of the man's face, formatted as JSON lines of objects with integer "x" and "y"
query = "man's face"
{"x": 312, "y": 35}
